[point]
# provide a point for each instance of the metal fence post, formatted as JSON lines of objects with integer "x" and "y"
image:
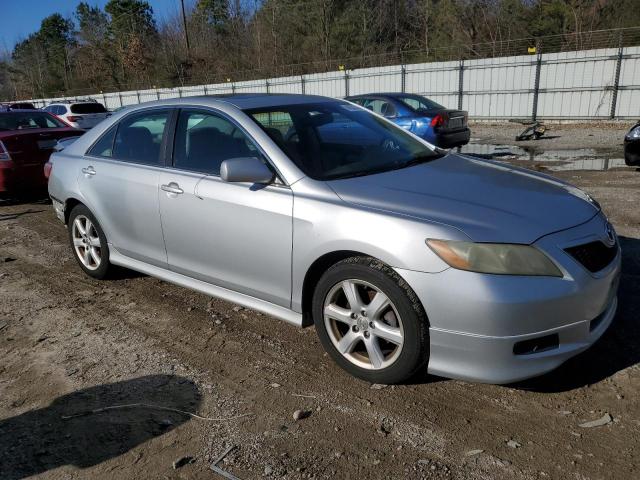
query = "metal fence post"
{"x": 302, "y": 84}
{"x": 616, "y": 82}
{"x": 266, "y": 85}
{"x": 120, "y": 98}
{"x": 460, "y": 84}
{"x": 403, "y": 79}
{"x": 536, "y": 88}
{"x": 346, "y": 83}
{"x": 138, "y": 95}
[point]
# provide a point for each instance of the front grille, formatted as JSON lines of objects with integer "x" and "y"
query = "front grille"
{"x": 594, "y": 256}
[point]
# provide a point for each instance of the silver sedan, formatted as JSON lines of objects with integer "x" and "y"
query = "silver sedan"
{"x": 317, "y": 211}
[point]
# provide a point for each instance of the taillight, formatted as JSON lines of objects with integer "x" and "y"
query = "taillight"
{"x": 71, "y": 118}
{"x": 4, "y": 153}
{"x": 47, "y": 169}
{"x": 437, "y": 121}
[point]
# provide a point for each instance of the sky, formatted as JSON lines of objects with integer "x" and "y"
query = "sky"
{"x": 22, "y": 17}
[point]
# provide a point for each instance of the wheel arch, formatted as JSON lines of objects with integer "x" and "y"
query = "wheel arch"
{"x": 69, "y": 205}
{"x": 321, "y": 265}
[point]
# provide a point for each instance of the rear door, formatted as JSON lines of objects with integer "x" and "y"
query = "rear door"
{"x": 119, "y": 179}
{"x": 234, "y": 235}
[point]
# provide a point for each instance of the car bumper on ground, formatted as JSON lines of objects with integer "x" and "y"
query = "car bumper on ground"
{"x": 501, "y": 329}
{"x": 453, "y": 139}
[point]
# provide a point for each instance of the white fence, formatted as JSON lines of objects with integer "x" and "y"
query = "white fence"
{"x": 588, "y": 84}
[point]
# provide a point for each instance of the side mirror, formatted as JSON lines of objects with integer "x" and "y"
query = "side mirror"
{"x": 245, "y": 169}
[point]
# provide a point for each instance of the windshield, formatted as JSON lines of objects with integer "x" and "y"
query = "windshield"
{"x": 332, "y": 140}
{"x": 419, "y": 103}
{"x": 26, "y": 120}
{"x": 82, "y": 108}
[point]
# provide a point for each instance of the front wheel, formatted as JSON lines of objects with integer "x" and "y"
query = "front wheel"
{"x": 370, "y": 321}
{"x": 88, "y": 242}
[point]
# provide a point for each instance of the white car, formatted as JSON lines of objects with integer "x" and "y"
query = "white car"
{"x": 83, "y": 115}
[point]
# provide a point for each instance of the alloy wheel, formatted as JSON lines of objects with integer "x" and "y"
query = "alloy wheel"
{"x": 86, "y": 242}
{"x": 363, "y": 324}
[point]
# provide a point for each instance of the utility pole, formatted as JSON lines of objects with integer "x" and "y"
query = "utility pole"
{"x": 186, "y": 31}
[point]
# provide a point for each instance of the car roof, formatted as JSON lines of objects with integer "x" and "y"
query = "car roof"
{"x": 245, "y": 101}
{"x": 385, "y": 95}
{"x": 23, "y": 110}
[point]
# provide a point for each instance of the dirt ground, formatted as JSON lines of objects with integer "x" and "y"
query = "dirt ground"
{"x": 605, "y": 137}
{"x": 71, "y": 345}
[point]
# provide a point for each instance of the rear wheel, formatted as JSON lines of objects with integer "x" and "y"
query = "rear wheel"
{"x": 88, "y": 242}
{"x": 370, "y": 321}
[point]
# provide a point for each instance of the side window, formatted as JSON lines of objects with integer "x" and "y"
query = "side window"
{"x": 103, "y": 147}
{"x": 204, "y": 140}
{"x": 47, "y": 109}
{"x": 381, "y": 107}
{"x": 139, "y": 137}
{"x": 359, "y": 101}
{"x": 412, "y": 102}
{"x": 60, "y": 110}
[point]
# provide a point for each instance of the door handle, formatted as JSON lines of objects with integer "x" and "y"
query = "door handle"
{"x": 89, "y": 171}
{"x": 172, "y": 187}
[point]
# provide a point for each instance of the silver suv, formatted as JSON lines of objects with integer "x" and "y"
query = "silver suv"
{"x": 318, "y": 211}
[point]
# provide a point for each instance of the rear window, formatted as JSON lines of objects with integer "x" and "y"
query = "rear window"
{"x": 88, "y": 108}
{"x": 26, "y": 120}
{"x": 420, "y": 103}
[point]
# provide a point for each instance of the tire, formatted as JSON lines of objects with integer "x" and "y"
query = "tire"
{"x": 399, "y": 328}
{"x": 96, "y": 263}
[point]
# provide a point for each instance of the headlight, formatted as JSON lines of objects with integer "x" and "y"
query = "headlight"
{"x": 634, "y": 134}
{"x": 498, "y": 258}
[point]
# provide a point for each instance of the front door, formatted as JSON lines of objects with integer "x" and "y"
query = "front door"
{"x": 234, "y": 235}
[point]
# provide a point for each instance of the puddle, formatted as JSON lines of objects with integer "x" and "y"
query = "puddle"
{"x": 556, "y": 160}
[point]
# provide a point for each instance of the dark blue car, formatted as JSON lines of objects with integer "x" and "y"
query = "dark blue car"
{"x": 438, "y": 125}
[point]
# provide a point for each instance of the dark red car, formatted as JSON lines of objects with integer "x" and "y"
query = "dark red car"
{"x": 27, "y": 138}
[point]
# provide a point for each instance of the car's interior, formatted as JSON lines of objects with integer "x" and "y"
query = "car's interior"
{"x": 329, "y": 142}
{"x": 203, "y": 141}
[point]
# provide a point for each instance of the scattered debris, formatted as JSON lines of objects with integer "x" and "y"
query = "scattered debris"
{"x": 3, "y": 326}
{"x": 303, "y": 396}
{"x": 513, "y": 444}
{"x": 565, "y": 412}
{"x": 604, "y": 420}
{"x": 182, "y": 461}
{"x": 8, "y": 259}
{"x": 223, "y": 473}
{"x": 301, "y": 414}
{"x": 472, "y": 453}
{"x": 378, "y": 386}
{"x": 157, "y": 407}
{"x": 237, "y": 308}
{"x": 275, "y": 385}
{"x": 165, "y": 423}
{"x": 268, "y": 470}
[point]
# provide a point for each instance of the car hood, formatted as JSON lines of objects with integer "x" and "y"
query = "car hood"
{"x": 488, "y": 201}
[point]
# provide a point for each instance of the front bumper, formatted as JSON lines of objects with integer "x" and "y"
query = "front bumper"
{"x": 477, "y": 320}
